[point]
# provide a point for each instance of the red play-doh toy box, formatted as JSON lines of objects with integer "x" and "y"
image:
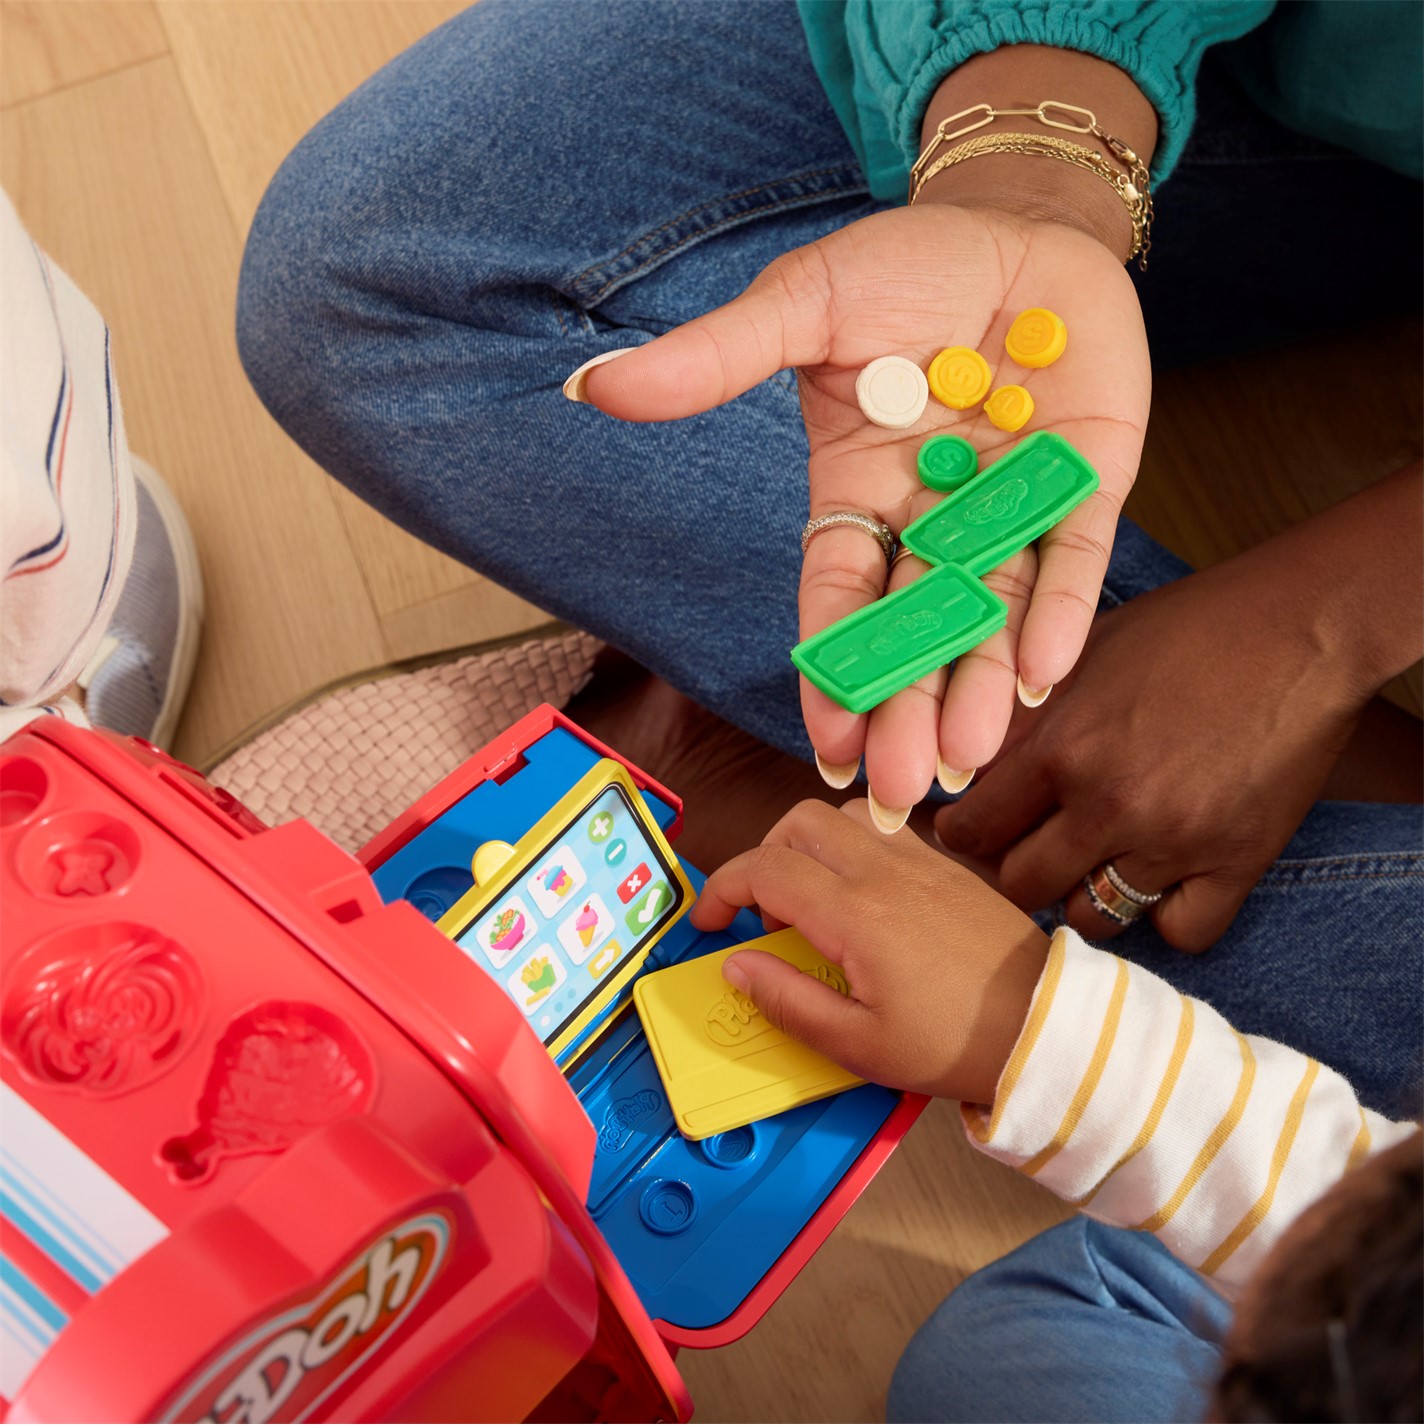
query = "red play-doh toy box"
{"x": 272, "y": 1147}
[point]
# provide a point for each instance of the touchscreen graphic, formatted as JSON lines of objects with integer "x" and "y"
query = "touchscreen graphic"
{"x": 574, "y": 915}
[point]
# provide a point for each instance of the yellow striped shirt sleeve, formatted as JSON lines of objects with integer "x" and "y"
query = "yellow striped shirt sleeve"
{"x": 1149, "y": 1111}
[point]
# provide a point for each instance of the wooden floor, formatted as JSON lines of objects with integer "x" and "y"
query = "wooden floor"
{"x": 138, "y": 136}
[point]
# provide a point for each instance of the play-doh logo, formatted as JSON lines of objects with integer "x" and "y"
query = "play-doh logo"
{"x": 624, "y": 1116}
{"x": 999, "y": 504}
{"x": 286, "y": 1367}
{"x": 734, "y": 1019}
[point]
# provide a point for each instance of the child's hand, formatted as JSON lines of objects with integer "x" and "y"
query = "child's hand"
{"x": 941, "y": 968}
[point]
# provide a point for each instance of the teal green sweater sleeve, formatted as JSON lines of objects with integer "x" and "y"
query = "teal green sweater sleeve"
{"x": 880, "y": 61}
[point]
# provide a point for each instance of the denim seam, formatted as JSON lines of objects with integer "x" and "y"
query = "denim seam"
{"x": 1387, "y": 867}
{"x": 612, "y": 280}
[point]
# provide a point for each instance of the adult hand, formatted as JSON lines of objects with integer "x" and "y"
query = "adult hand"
{"x": 1202, "y": 723}
{"x": 910, "y": 282}
{"x": 941, "y": 969}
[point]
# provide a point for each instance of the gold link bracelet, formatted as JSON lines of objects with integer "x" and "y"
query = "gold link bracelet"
{"x": 1131, "y": 183}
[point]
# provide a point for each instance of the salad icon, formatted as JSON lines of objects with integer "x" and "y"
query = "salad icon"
{"x": 508, "y": 929}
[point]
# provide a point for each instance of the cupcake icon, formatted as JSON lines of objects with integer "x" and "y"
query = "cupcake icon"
{"x": 558, "y": 881}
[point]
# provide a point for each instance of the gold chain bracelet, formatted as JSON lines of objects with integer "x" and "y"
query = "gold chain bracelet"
{"x": 1131, "y": 182}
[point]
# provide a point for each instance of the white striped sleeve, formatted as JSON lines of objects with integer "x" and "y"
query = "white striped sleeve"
{"x": 1148, "y": 1110}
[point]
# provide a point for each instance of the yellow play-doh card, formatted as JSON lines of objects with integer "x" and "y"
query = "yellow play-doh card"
{"x": 564, "y": 919}
{"x": 721, "y": 1062}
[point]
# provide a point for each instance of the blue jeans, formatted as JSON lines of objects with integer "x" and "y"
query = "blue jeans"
{"x": 1084, "y": 1322}
{"x": 538, "y": 182}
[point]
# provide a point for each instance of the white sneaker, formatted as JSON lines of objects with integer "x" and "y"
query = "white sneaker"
{"x": 138, "y": 679}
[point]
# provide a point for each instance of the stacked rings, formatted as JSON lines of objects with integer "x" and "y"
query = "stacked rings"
{"x": 1114, "y": 899}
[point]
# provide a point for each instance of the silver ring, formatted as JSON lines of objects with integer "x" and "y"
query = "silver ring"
{"x": 1143, "y": 898}
{"x": 879, "y": 531}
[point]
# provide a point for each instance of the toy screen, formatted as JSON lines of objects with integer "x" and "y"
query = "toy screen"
{"x": 575, "y": 914}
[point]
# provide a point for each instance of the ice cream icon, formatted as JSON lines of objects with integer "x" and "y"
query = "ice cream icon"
{"x": 508, "y": 929}
{"x": 558, "y": 881}
{"x": 586, "y": 923}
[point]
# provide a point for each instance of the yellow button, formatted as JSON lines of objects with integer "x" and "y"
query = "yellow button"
{"x": 1009, "y": 407}
{"x": 959, "y": 377}
{"x": 1036, "y": 338}
{"x": 489, "y": 859}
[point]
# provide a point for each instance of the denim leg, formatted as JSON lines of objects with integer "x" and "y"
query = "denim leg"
{"x": 1083, "y": 1322}
{"x": 531, "y": 185}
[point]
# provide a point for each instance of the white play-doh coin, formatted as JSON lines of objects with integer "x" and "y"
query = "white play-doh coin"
{"x": 892, "y": 392}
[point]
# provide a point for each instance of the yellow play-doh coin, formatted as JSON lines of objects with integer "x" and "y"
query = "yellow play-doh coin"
{"x": 1036, "y": 338}
{"x": 1009, "y": 407}
{"x": 959, "y": 377}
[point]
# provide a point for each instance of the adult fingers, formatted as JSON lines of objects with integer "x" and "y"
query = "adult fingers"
{"x": 980, "y": 698}
{"x": 802, "y": 1006}
{"x": 1014, "y": 797}
{"x": 1139, "y": 872}
{"x": 781, "y": 320}
{"x": 1196, "y": 914}
{"x": 844, "y": 570}
{"x": 902, "y": 733}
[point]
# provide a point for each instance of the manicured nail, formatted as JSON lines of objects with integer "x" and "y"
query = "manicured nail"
{"x": 837, "y": 774}
{"x": 950, "y": 780}
{"x": 887, "y": 819}
{"x": 574, "y": 386}
{"x": 1032, "y": 697}
{"x": 734, "y": 974}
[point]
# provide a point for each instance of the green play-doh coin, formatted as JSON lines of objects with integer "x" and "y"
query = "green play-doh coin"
{"x": 945, "y": 462}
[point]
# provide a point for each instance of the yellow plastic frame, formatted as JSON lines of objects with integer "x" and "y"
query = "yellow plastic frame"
{"x": 542, "y": 837}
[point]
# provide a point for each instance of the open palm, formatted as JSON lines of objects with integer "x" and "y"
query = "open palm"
{"x": 910, "y": 282}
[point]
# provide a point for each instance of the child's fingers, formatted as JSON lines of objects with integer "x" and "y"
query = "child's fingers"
{"x": 785, "y": 884}
{"x": 802, "y": 1006}
{"x": 779, "y": 321}
{"x": 820, "y": 831}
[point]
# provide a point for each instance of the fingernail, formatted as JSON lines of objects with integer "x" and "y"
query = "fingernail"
{"x": 887, "y": 819}
{"x": 950, "y": 780}
{"x": 734, "y": 974}
{"x": 1032, "y": 697}
{"x": 837, "y": 774}
{"x": 574, "y": 386}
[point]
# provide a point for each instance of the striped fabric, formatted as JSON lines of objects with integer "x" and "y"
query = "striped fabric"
{"x": 1148, "y": 1110}
{"x": 67, "y": 511}
{"x": 29, "y": 1322}
{"x": 64, "y": 1222}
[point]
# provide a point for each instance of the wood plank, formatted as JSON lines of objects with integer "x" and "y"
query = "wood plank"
{"x": 401, "y": 572}
{"x": 50, "y": 45}
{"x": 474, "y": 613}
{"x": 258, "y": 76}
{"x": 936, "y": 1212}
{"x": 113, "y": 178}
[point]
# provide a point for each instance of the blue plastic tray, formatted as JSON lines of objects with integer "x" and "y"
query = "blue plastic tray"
{"x": 695, "y": 1225}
